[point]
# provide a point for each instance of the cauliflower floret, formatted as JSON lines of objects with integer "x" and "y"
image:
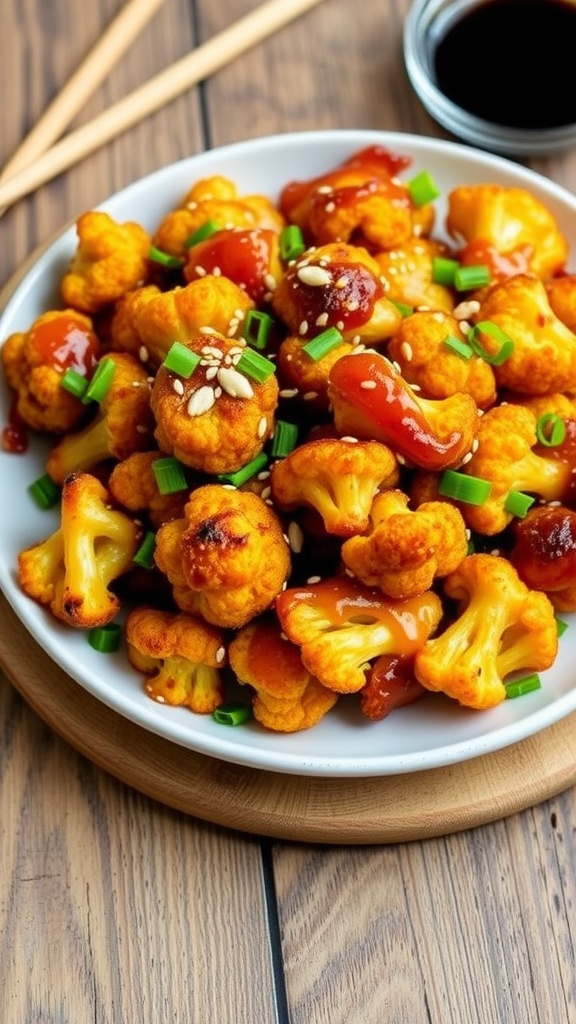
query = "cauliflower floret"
{"x": 307, "y": 376}
{"x": 110, "y": 260}
{"x": 336, "y": 285}
{"x": 561, "y": 293}
{"x": 544, "y": 355}
{"x": 148, "y": 321}
{"x": 419, "y": 348}
{"x": 212, "y": 555}
{"x": 405, "y": 551}
{"x": 181, "y": 655}
{"x": 133, "y": 485}
{"x": 408, "y": 269}
{"x": 341, "y": 626}
{"x": 502, "y": 627}
{"x": 218, "y": 419}
{"x": 71, "y": 570}
{"x": 122, "y": 425}
{"x": 34, "y": 362}
{"x": 250, "y": 257}
{"x": 337, "y": 478}
{"x": 214, "y": 200}
{"x": 512, "y": 220}
{"x": 371, "y": 399}
{"x": 287, "y": 698}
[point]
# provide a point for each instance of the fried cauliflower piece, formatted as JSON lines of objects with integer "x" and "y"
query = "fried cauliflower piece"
{"x": 133, "y": 485}
{"x": 287, "y": 698}
{"x": 561, "y": 293}
{"x": 148, "y": 321}
{"x": 182, "y": 656}
{"x": 306, "y": 376}
{"x": 336, "y": 285}
{"x": 391, "y": 684}
{"x": 337, "y": 478}
{"x": 123, "y": 423}
{"x": 544, "y": 354}
{"x": 218, "y": 419}
{"x": 512, "y": 220}
{"x": 216, "y": 200}
{"x": 250, "y": 257}
{"x": 543, "y": 553}
{"x": 341, "y": 626}
{"x": 408, "y": 270}
{"x": 71, "y": 571}
{"x": 227, "y": 559}
{"x": 404, "y": 550}
{"x": 502, "y": 627}
{"x": 110, "y": 260}
{"x": 419, "y": 348}
{"x": 35, "y": 361}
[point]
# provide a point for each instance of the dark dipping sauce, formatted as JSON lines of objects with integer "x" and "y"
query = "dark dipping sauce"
{"x": 511, "y": 62}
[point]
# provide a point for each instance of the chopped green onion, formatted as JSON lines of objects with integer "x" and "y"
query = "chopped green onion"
{"x": 292, "y": 243}
{"x": 284, "y": 440}
{"x": 443, "y": 270}
{"x": 550, "y": 429}
{"x": 233, "y": 713}
{"x": 423, "y": 189}
{"x": 100, "y": 384}
{"x": 493, "y": 331}
{"x": 323, "y": 343}
{"x": 561, "y": 626}
{"x": 169, "y": 475}
{"x": 144, "y": 557}
{"x": 45, "y": 492}
{"x": 73, "y": 382}
{"x": 403, "y": 309}
{"x": 165, "y": 258}
{"x": 458, "y": 346}
{"x": 105, "y": 639}
{"x": 473, "y": 490}
{"x": 181, "y": 360}
{"x": 467, "y": 278}
{"x": 522, "y": 686}
{"x": 517, "y": 503}
{"x": 246, "y": 472}
{"x": 257, "y": 327}
{"x": 208, "y": 228}
{"x": 252, "y": 364}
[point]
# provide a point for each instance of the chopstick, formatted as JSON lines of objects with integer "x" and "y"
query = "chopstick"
{"x": 128, "y": 23}
{"x": 184, "y": 73}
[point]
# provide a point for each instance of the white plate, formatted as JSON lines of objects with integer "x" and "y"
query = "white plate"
{"x": 430, "y": 733}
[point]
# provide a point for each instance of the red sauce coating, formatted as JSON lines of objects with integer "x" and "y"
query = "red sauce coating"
{"x": 63, "y": 342}
{"x": 242, "y": 255}
{"x": 544, "y": 552}
{"x": 14, "y": 434}
{"x": 348, "y": 301}
{"x": 501, "y": 265}
{"x": 391, "y": 684}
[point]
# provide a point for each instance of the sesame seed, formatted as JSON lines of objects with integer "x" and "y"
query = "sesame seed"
{"x": 201, "y": 401}
{"x": 406, "y": 351}
{"x": 234, "y": 383}
{"x": 313, "y": 579}
{"x": 143, "y": 354}
{"x": 200, "y": 271}
{"x": 322, "y": 320}
{"x": 266, "y": 492}
{"x": 216, "y": 272}
{"x": 466, "y": 458}
{"x": 207, "y": 330}
{"x": 310, "y": 395}
{"x": 295, "y": 537}
{"x": 141, "y": 429}
{"x": 464, "y": 310}
{"x": 262, "y": 426}
{"x": 212, "y": 371}
{"x": 178, "y": 386}
{"x": 342, "y": 281}
{"x": 303, "y": 327}
{"x": 314, "y": 276}
{"x": 368, "y": 385}
{"x": 340, "y": 325}
{"x": 330, "y": 207}
{"x": 220, "y": 654}
{"x": 270, "y": 281}
{"x": 264, "y": 475}
{"x": 324, "y": 190}
{"x": 288, "y": 392}
{"x": 349, "y": 439}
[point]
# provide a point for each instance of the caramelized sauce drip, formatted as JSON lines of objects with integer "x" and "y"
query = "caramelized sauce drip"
{"x": 501, "y": 265}
{"x": 243, "y": 256}
{"x": 391, "y": 684}
{"x": 14, "y": 434}
{"x": 64, "y": 342}
{"x": 544, "y": 552}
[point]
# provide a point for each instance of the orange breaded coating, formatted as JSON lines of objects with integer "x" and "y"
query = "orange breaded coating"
{"x": 148, "y": 321}
{"x": 287, "y": 698}
{"x": 408, "y": 269}
{"x": 337, "y": 478}
{"x": 336, "y": 285}
{"x": 405, "y": 550}
{"x": 214, "y": 200}
{"x": 218, "y": 419}
{"x": 250, "y": 257}
{"x": 181, "y": 655}
{"x": 227, "y": 559}
{"x": 561, "y": 293}
{"x": 110, "y": 260}
{"x": 308, "y": 377}
{"x": 34, "y": 362}
{"x": 133, "y": 485}
{"x": 512, "y": 220}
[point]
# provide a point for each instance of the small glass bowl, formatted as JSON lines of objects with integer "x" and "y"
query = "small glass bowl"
{"x": 426, "y": 24}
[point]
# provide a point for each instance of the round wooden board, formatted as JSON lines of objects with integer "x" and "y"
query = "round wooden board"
{"x": 389, "y": 809}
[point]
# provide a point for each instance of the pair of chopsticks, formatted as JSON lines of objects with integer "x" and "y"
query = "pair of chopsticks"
{"x": 38, "y": 160}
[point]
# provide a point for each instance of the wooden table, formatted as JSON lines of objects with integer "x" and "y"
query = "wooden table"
{"x": 117, "y": 909}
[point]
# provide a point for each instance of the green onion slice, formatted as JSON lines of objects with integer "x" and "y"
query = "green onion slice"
{"x": 208, "y": 228}
{"x": 256, "y": 328}
{"x": 458, "y": 346}
{"x": 252, "y": 364}
{"x": 323, "y": 343}
{"x": 423, "y": 189}
{"x": 165, "y": 259}
{"x": 256, "y": 465}
{"x": 443, "y": 270}
{"x": 522, "y": 686}
{"x": 181, "y": 360}
{"x": 517, "y": 503}
{"x": 561, "y": 626}
{"x": 105, "y": 639}
{"x": 45, "y": 492}
{"x": 284, "y": 440}
{"x": 292, "y": 243}
{"x": 474, "y": 338}
{"x": 169, "y": 475}
{"x": 403, "y": 309}
{"x": 473, "y": 490}
{"x": 233, "y": 713}
{"x": 100, "y": 384}
{"x": 144, "y": 556}
{"x": 550, "y": 429}
{"x": 468, "y": 278}
{"x": 74, "y": 382}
